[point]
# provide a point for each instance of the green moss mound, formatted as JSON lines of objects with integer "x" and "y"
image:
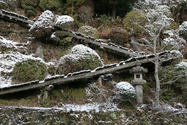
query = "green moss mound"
{"x": 132, "y": 21}
{"x": 89, "y": 31}
{"x": 119, "y": 36}
{"x": 29, "y": 70}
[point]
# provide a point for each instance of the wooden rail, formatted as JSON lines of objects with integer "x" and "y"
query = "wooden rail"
{"x": 111, "y": 47}
{"x": 16, "y": 18}
{"x": 86, "y": 74}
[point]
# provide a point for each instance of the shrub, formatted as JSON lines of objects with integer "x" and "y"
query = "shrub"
{"x": 29, "y": 70}
{"x": 85, "y": 14}
{"x": 54, "y": 5}
{"x": 89, "y": 31}
{"x": 131, "y": 19}
{"x": 26, "y": 8}
{"x": 119, "y": 36}
{"x": 33, "y": 3}
{"x": 31, "y": 13}
{"x": 79, "y": 58}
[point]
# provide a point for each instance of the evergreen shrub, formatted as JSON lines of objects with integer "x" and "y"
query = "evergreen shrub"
{"x": 132, "y": 21}
{"x": 119, "y": 36}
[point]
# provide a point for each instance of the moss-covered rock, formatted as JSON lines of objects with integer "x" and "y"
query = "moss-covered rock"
{"x": 132, "y": 21}
{"x": 79, "y": 58}
{"x": 119, "y": 36}
{"x": 3, "y": 5}
{"x": 29, "y": 70}
{"x": 89, "y": 31}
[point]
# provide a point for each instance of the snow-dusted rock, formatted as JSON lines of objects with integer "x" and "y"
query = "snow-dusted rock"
{"x": 44, "y": 25}
{"x": 79, "y": 58}
{"x": 183, "y": 29}
{"x": 126, "y": 90}
{"x": 63, "y": 21}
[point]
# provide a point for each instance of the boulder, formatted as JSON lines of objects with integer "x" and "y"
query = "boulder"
{"x": 79, "y": 58}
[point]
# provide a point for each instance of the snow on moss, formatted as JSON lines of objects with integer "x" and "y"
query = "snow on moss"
{"x": 45, "y": 20}
{"x": 8, "y": 60}
{"x": 183, "y": 29}
{"x": 126, "y": 90}
{"x": 79, "y": 58}
{"x": 81, "y": 52}
{"x": 63, "y": 21}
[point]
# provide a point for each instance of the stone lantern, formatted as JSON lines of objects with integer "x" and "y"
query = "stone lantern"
{"x": 138, "y": 81}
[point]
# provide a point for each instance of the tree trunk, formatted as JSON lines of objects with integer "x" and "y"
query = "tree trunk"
{"x": 114, "y": 12}
{"x": 157, "y": 81}
{"x": 156, "y": 73}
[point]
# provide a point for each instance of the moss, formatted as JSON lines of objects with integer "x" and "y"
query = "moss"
{"x": 130, "y": 20}
{"x": 29, "y": 70}
{"x": 89, "y": 31}
{"x": 66, "y": 41}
